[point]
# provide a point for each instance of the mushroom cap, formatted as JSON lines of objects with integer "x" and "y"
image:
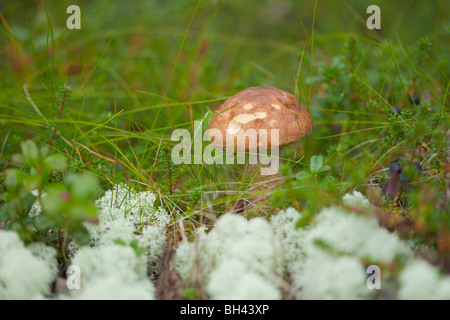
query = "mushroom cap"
{"x": 261, "y": 108}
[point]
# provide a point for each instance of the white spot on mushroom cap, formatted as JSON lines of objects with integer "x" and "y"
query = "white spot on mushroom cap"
{"x": 235, "y": 124}
{"x": 248, "y": 106}
{"x": 276, "y": 106}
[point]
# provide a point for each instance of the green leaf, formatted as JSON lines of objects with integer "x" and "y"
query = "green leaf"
{"x": 56, "y": 162}
{"x": 303, "y": 175}
{"x": 286, "y": 170}
{"x": 43, "y": 151}
{"x": 83, "y": 186}
{"x": 329, "y": 179}
{"x": 304, "y": 220}
{"x": 120, "y": 242}
{"x": 13, "y": 178}
{"x": 325, "y": 168}
{"x": 328, "y": 182}
{"x": 80, "y": 235}
{"x": 31, "y": 182}
{"x": 17, "y": 158}
{"x": 4, "y": 216}
{"x": 54, "y": 203}
{"x": 44, "y": 222}
{"x": 30, "y": 151}
{"x": 315, "y": 164}
{"x": 137, "y": 248}
{"x": 189, "y": 294}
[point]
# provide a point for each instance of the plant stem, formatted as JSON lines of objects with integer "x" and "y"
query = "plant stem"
{"x": 63, "y": 102}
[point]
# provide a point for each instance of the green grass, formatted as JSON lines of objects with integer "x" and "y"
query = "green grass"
{"x": 138, "y": 70}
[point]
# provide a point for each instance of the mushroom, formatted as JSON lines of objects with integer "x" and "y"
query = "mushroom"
{"x": 260, "y": 109}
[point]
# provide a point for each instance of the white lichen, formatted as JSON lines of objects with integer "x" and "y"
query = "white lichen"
{"x": 356, "y": 198}
{"x": 237, "y": 259}
{"x": 25, "y": 273}
{"x": 232, "y": 280}
{"x": 325, "y": 276}
{"x": 327, "y": 259}
{"x": 126, "y": 216}
{"x": 110, "y": 260}
{"x": 114, "y": 288}
{"x": 127, "y": 220}
{"x": 336, "y": 247}
{"x": 109, "y": 231}
{"x": 421, "y": 281}
{"x": 233, "y": 246}
{"x": 284, "y": 224}
{"x": 36, "y": 208}
{"x": 112, "y": 272}
{"x": 354, "y": 234}
{"x": 137, "y": 207}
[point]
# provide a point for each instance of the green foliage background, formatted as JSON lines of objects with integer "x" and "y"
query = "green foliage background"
{"x": 107, "y": 97}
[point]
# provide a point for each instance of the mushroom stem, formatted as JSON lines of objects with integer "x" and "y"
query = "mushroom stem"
{"x": 266, "y": 117}
{"x": 259, "y": 190}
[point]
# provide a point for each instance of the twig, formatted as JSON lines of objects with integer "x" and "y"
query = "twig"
{"x": 182, "y": 231}
{"x": 79, "y": 154}
{"x": 59, "y": 117}
{"x": 95, "y": 153}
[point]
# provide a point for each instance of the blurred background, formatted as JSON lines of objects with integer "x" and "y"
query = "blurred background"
{"x": 138, "y": 69}
{"x": 225, "y": 45}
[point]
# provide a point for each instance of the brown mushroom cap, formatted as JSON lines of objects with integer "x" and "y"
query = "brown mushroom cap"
{"x": 262, "y": 108}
